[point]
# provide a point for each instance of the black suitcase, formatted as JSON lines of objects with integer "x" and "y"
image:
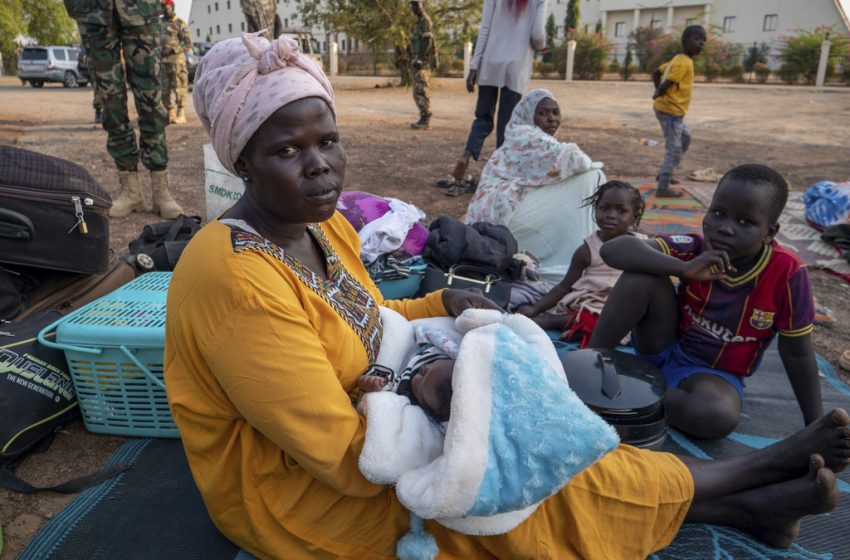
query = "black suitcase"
{"x": 53, "y": 214}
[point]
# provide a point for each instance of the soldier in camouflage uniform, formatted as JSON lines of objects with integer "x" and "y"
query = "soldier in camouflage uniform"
{"x": 262, "y": 14}
{"x": 176, "y": 42}
{"x": 422, "y": 54}
{"x": 108, "y": 28}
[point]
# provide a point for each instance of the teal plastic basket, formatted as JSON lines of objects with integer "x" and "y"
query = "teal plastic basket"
{"x": 114, "y": 348}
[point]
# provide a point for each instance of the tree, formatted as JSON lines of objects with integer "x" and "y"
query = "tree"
{"x": 551, "y": 32}
{"x": 571, "y": 20}
{"x": 385, "y": 25}
{"x": 644, "y": 41}
{"x": 46, "y": 21}
{"x": 627, "y": 63}
{"x": 49, "y": 23}
{"x": 11, "y": 25}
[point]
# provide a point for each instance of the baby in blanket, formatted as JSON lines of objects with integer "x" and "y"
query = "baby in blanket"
{"x": 496, "y": 430}
{"x": 426, "y": 378}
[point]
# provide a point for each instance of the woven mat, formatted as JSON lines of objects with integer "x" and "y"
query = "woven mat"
{"x": 669, "y": 216}
{"x": 155, "y": 511}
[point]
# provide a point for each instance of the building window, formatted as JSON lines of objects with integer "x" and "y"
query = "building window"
{"x": 286, "y": 22}
{"x": 324, "y": 46}
{"x": 343, "y": 44}
{"x": 242, "y": 26}
{"x": 655, "y": 24}
{"x": 620, "y": 29}
{"x": 216, "y": 6}
{"x": 770, "y": 21}
{"x": 209, "y": 9}
{"x": 198, "y": 32}
{"x": 228, "y": 4}
{"x": 729, "y": 24}
{"x": 690, "y": 21}
{"x": 210, "y": 33}
{"x": 230, "y": 28}
{"x": 218, "y": 30}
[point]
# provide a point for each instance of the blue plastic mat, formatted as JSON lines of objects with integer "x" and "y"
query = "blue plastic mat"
{"x": 154, "y": 511}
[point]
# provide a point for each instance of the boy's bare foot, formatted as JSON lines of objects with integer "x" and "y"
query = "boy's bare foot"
{"x": 774, "y": 511}
{"x": 828, "y": 436}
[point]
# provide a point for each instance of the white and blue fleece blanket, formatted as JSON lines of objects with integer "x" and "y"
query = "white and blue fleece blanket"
{"x": 517, "y": 432}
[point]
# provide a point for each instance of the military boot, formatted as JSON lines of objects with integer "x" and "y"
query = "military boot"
{"x": 130, "y": 199}
{"x": 424, "y": 123}
{"x": 172, "y": 116}
{"x": 181, "y": 116}
{"x": 163, "y": 203}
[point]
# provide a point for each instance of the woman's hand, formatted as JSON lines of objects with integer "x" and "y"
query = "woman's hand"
{"x": 710, "y": 265}
{"x": 458, "y": 301}
{"x": 471, "y": 79}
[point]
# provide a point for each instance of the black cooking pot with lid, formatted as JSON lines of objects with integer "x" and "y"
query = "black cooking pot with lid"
{"x": 625, "y": 390}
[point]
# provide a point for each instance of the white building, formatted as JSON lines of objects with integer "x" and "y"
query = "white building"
{"x": 213, "y": 20}
{"x": 740, "y": 21}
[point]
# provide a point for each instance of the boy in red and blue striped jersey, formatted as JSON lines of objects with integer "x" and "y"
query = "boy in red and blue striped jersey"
{"x": 738, "y": 289}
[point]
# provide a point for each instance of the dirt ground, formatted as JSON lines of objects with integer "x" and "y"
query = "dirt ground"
{"x": 803, "y": 132}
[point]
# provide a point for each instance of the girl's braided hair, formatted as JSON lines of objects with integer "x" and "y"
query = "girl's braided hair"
{"x": 637, "y": 199}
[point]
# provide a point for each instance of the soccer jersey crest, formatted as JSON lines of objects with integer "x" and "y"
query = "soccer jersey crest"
{"x": 761, "y": 320}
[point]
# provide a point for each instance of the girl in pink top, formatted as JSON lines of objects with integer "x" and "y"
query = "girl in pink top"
{"x": 577, "y": 300}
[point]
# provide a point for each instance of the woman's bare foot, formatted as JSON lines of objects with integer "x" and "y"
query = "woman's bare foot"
{"x": 828, "y": 436}
{"x": 462, "y": 163}
{"x": 774, "y": 512}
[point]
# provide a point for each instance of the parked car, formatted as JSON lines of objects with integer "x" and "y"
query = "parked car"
{"x": 191, "y": 65}
{"x": 83, "y": 65}
{"x": 38, "y": 65}
{"x": 199, "y": 49}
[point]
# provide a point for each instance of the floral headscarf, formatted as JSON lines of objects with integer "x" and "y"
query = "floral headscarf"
{"x": 529, "y": 158}
{"x": 240, "y": 82}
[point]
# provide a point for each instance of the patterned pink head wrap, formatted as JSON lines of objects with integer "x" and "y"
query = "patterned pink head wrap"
{"x": 239, "y": 83}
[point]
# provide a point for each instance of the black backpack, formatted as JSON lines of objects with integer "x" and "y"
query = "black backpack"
{"x": 160, "y": 245}
{"x": 36, "y": 398}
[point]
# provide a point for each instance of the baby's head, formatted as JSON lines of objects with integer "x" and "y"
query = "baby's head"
{"x": 744, "y": 212}
{"x": 617, "y": 208}
{"x": 432, "y": 388}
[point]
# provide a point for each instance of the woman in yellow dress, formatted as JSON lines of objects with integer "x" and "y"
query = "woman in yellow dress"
{"x": 272, "y": 318}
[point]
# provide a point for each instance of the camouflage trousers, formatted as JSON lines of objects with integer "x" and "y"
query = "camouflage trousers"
{"x": 175, "y": 82}
{"x": 97, "y": 98}
{"x": 420, "y": 91}
{"x": 142, "y": 62}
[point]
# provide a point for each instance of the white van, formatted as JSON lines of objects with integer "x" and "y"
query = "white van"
{"x": 37, "y": 65}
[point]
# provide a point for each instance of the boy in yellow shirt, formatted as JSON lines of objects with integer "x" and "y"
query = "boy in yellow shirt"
{"x": 674, "y": 84}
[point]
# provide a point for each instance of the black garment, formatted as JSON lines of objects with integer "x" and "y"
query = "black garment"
{"x": 485, "y": 245}
{"x": 839, "y": 236}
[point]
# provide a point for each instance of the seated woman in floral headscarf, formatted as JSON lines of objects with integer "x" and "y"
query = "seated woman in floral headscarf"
{"x": 534, "y": 184}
